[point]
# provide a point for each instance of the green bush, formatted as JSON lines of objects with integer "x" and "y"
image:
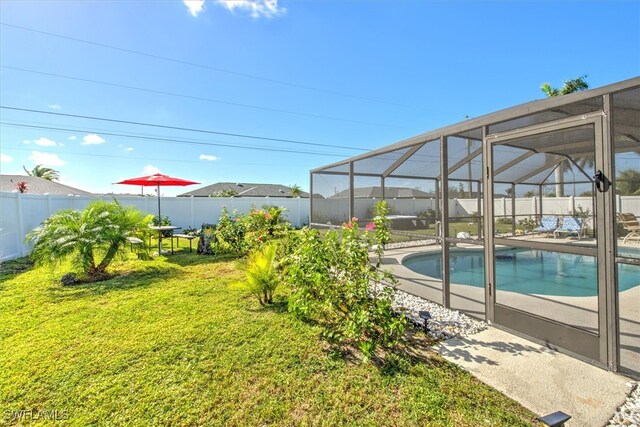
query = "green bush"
{"x": 262, "y": 272}
{"x": 331, "y": 282}
{"x": 229, "y": 234}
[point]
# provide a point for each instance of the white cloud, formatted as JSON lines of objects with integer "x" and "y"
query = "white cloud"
{"x": 26, "y": 142}
{"x": 257, "y": 8}
{"x": 55, "y": 107}
{"x": 73, "y": 138}
{"x": 5, "y": 158}
{"x": 194, "y": 6}
{"x": 46, "y": 159}
{"x": 208, "y": 157}
{"x": 45, "y": 142}
{"x": 92, "y": 139}
{"x": 128, "y": 149}
{"x": 150, "y": 170}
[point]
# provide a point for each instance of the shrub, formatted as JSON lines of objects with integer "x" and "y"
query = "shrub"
{"x": 333, "y": 283}
{"x": 229, "y": 234}
{"x": 262, "y": 272}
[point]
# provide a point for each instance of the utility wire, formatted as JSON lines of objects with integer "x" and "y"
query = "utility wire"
{"x": 199, "y": 98}
{"x": 155, "y": 125}
{"x": 76, "y": 153}
{"x": 226, "y": 71}
{"x": 173, "y": 140}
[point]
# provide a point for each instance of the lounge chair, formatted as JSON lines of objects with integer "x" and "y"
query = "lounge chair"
{"x": 631, "y": 224}
{"x": 570, "y": 225}
{"x": 548, "y": 224}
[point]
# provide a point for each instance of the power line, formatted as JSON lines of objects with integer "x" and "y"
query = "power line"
{"x": 226, "y": 71}
{"x": 76, "y": 153}
{"x": 173, "y": 140}
{"x": 199, "y": 98}
{"x": 155, "y": 125}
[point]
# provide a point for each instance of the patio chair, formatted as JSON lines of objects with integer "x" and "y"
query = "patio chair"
{"x": 630, "y": 224}
{"x": 570, "y": 225}
{"x": 548, "y": 224}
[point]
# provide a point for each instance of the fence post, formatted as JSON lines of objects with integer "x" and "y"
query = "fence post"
{"x": 193, "y": 214}
{"x": 572, "y": 204}
{"x": 20, "y": 234}
{"x": 299, "y": 212}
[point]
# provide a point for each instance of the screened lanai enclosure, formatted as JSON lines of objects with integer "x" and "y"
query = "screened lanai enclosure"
{"x": 523, "y": 217}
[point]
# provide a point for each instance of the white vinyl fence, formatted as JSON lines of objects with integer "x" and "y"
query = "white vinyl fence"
{"x": 20, "y": 213}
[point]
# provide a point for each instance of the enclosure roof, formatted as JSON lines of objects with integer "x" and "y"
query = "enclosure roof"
{"x": 404, "y": 149}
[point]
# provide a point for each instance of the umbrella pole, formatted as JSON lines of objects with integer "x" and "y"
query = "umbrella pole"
{"x": 159, "y": 225}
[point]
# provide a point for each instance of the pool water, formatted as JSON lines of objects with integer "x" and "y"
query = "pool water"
{"x": 527, "y": 271}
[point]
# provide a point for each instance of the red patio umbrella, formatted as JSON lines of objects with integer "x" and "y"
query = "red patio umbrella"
{"x": 157, "y": 180}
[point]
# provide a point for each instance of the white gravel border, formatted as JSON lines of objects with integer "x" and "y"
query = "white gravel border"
{"x": 628, "y": 414}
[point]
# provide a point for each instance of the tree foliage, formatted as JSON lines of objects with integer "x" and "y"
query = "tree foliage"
{"x": 90, "y": 238}
{"x": 568, "y": 86}
{"x": 628, "y": 183}
{"x": 43, "y": 172}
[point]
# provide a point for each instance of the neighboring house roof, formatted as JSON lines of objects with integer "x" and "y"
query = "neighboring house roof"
{"x": 243, "y": 189}
{"x": 37, "y": 185}
{"x": 389, "y": 193}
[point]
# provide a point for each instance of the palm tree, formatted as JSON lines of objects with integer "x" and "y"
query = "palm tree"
{"x": 100, "y": 230}
{"x": 628, "y": 183}
{"x": 296, "y": 190}
{"x": 44, "y": 173}
{"x": 569, "y": 86}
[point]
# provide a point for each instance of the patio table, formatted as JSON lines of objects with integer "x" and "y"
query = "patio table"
{"x": 160, "y": 229}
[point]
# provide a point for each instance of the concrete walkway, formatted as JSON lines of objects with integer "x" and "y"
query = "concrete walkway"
{"x": 540, "y": 379}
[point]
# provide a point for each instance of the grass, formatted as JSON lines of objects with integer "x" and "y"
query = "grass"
{"x": 179, "y": 341}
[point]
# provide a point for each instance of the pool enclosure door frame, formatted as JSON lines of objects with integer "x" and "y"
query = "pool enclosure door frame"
{"x": 596, "y": 346}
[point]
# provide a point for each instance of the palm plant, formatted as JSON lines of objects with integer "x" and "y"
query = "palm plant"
{"x": 44, "y": 173}
{"x": 91, "y": 238}
{"x": 569, "y": 86}
{"x": 296, "y": 190}
{"x": 628, "y": 182}
{"x": 262, "y": 272}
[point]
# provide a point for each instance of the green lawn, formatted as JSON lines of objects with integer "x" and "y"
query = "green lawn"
{"x": 177, "y": 341}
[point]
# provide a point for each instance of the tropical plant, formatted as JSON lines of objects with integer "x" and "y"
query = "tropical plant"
{"x": 296, "y": 190}
{"x": 22, "y": 187}
{"x": 628, "y": 182}
{"x": 44, "y": 173}
{"x": 334, "y": 284}
{"x": 90, "y": 238}
{"x": 262, "y": 272}
{"x": 224, "y": 193}
{"x": 569, "y": 86}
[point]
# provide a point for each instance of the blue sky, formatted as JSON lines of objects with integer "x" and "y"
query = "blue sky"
{"x": 353, "y": 74}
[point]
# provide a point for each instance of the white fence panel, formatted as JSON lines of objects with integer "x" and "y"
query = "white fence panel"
{"x": 21, "y": 213}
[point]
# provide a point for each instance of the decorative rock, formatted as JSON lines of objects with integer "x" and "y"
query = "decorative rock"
{"x": 443, "y": 324}
{"x": 629, "y": 413}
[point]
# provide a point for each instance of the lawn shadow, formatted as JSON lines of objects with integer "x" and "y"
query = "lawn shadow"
{"x": 125, "y": 281}
{"x": 12, "y": 268}
{"x": 187, "y": 258}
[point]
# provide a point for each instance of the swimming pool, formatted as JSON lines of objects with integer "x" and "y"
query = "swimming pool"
{"x": 527, "y": 271}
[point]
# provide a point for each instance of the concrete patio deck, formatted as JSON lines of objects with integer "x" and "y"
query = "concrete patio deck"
{"x": 540, "y": 379}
